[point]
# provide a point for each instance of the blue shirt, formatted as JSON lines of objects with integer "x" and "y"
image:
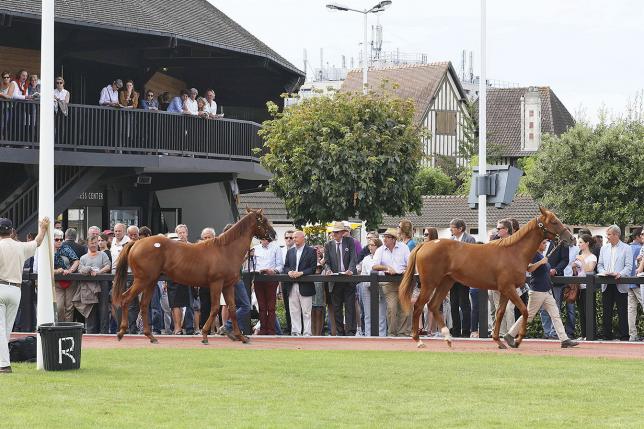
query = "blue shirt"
{"x": 635, "y": 247}
{"x": 411, "y": 244}
{"x": 147, "y": 104}
{"x": 540, "y": 278}
{"x": 66, "y": 251}
{"x": 176, "y": 105}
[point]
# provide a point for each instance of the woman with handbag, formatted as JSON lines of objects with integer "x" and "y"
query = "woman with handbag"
{"x": 583, "y": 265}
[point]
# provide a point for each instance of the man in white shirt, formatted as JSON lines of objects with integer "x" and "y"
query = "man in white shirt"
{"x": 13, "y": 255}
{"x": 211, "y": 104}
{"x": 110, "y": 94}
{"x": 119, "y": 240}
{"x": 268, "y": 260}
{"x": 190, "y": 106}
{"x": 391, "y": 259}
{"x": 615, "y": 260}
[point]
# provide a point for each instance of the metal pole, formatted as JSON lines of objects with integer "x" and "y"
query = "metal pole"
{"x": 590, "y": 307}
{"x": 374, "y": 308}
{"x": 45, "y": 310}
{"x": 365, "y": 67}
{"x": 482, "y": 218}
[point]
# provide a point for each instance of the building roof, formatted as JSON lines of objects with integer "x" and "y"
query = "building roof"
{"x": 418, "y": 82}
{"x": 195, "y": 21}
{"x": 437, "y": 211}
{"x": 504, "y": 117}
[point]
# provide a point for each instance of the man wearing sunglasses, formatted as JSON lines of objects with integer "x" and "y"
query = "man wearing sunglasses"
{"x": 150, "y": 102}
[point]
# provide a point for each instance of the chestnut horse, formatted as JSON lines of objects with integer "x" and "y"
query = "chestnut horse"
{"x": 214, "y": 263}
{"x": 498, "y": 265}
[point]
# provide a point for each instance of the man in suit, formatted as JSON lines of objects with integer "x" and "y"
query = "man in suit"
{"x": 615, "y": 260}
{"x": 459, "y": 295}
{"x": 301, "y": 260}
{"x": 340, "y": 258}
{"x": 558, "y": 261}
{"x": 288, "y": 240}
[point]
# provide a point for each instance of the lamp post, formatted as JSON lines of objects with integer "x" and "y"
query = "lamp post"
{"x": 377, "y": 8}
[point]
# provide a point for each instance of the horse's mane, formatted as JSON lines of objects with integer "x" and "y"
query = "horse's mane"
{"x": 237, "y": 230}
{"x": 511, "y": 240}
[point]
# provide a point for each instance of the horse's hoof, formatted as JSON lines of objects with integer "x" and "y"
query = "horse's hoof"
{"x": 232, "y": 336}
{"x": 420, "y": 345}
{"x": 502, "y": 346}
{"x": 154, "y": 340}
{"x": 204, "y": 341}
{"x": 245, "y": 339}
{"x": 119, "y": 336}
{"x": 449, "y": 342}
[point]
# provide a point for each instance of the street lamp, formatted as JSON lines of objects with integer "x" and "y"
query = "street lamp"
{"x": 375, "y": 9}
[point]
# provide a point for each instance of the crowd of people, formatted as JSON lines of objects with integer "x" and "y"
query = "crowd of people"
{"x": 341, "y": 308}
{"x": 26, "y": 86}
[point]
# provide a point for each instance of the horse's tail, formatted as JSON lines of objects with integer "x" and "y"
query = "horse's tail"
{"x": 120, "y": 275}
{"x": 407, "y": 283}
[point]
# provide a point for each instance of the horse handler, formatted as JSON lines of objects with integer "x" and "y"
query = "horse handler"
{"x": 13, "y": 255}
{"x": 541, "y": 295}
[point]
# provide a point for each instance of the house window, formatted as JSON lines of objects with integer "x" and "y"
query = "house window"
{"x": 446, "y": 123}
{"x": 531, "y": 113}
{"x": 531, "y": 125}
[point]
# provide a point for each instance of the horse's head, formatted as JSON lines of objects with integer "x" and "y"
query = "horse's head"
{"x": 263, "y": 228}
{"x": 552, "y": 227}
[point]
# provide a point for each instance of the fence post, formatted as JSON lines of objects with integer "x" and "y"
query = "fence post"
{"x": 374, "y": 310}
{"x": 483, "y": 313}
{"x": 590, "y": 307}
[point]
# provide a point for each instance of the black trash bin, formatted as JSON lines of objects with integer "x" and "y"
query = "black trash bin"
{"x": 61, "y": 345}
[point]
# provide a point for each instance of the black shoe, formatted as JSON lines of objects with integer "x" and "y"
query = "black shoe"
{"x": 5, "y": 370}
{"x": 569, "y": 343}
{"x": 510, "y": 340}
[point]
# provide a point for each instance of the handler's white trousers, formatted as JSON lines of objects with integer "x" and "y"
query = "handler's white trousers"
{"x": 9, "y": 301}
{"x": 535, "y": 301}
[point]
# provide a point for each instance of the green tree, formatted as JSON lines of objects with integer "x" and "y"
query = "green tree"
{"x": 433, "y": 181}
{"x": 346, "y": 156}
{"x": 592, "y": 174}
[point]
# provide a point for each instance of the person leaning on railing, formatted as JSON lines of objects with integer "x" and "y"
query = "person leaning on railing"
{"x": 65, "y": 262}
{"x": 88, "y": 293}
{"x": 128, "y": 97}
{"x": 13, "y": 255}
{"x": 149, "y": 102}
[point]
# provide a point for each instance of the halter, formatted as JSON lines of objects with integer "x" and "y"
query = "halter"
{"x": 545, "y": 231}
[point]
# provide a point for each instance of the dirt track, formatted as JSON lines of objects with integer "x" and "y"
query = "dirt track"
{"x": 611, "y": 349}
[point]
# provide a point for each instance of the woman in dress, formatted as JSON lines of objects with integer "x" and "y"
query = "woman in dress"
{"x": 583, "y": 265}
{"x": 364, "y": 292}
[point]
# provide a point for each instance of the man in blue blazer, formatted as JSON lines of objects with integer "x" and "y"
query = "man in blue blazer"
{"x": 301, "y": 260}
{"x": 615, "y": 260}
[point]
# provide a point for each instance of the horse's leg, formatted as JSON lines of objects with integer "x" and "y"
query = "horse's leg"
{"x": 503, "y": 302}
{"x": 143, "y": 305}
{"x": 435, "y": 302}
{"x": 423, "y": 298}
{"x": 229, "y": 297}
{"x": 215, "y": 291}
{"x": 127, "y": 297}
{"x": 518, "y": 302}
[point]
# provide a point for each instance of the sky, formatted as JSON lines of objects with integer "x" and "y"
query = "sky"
{"x": 588, "y": 51}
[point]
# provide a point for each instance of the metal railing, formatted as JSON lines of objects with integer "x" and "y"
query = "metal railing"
{"x": 592, "y": 282}
{"x": 111, "y": 130}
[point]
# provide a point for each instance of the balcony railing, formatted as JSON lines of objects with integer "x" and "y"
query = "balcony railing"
{"x": 110, "y": 130}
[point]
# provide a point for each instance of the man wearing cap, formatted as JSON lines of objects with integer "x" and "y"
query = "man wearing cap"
{"x": 391, "y": 259}
{"x": 110, "y": 94}
{"x": 341, "y": 259}
{"x": 13, "y": 255}
{"x": 110, "y": 236}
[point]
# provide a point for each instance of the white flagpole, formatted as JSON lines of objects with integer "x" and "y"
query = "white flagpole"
{"x": 483, "y": 129}
{"x": 45, "y": 311}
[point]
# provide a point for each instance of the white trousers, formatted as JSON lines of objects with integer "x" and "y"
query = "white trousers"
{"x": 508, "y": 317}
{"x": 9, "y": 301}
{"x": 300, "y": 309}
{"x": 535, "y": 301}
{"x": 634, "y": 298}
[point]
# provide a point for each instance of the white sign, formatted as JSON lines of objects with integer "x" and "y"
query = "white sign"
{"x": 65, "y": 352}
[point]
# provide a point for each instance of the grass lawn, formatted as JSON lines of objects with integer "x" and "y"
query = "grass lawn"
{"x": 194, "y": 388}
